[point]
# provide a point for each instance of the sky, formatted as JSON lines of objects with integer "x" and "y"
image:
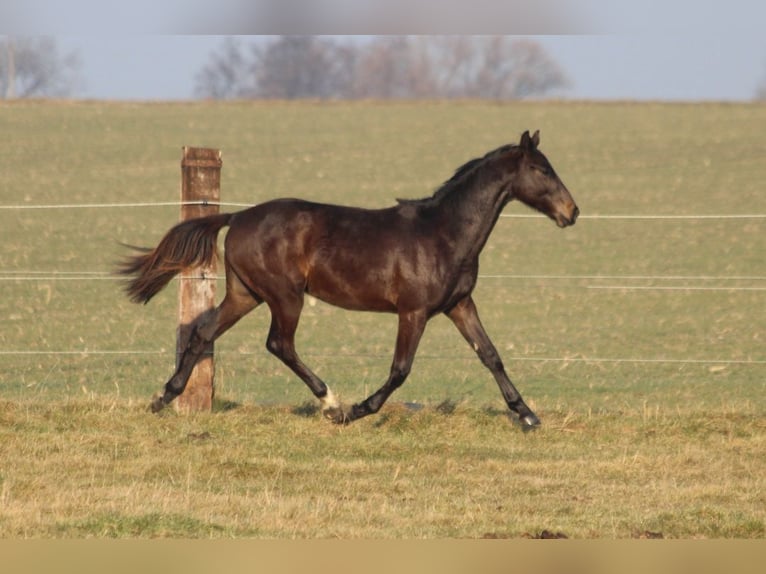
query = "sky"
{"x": 670, "y": 50}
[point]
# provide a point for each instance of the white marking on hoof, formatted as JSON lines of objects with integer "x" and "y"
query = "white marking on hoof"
{"x": 329, "y": 401}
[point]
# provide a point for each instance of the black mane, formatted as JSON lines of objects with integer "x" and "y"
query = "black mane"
{"x": 460, "y": 173}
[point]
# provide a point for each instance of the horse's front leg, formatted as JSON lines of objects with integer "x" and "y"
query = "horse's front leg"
{"x": 411, "y": 327}
{"x": 466, "y": 318}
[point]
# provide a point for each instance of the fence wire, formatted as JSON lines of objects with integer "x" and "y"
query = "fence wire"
{"x": 55, "y": 275}
{"x": 607, "y": 217}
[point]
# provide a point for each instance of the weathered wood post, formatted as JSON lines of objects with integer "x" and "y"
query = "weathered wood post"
{"x": 200, "y": 194}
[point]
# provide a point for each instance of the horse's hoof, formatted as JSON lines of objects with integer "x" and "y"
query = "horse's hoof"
{"x": 529, "y": 422}
{"x": 336, "y": 415}
{"x": 157, "y": 404}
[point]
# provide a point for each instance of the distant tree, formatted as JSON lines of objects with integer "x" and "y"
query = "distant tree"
{"x": 33, "y": 67}
{"x": 288, "y": 68}
{"x": 386, "y": 70}
{"x": 516, "y": 69}
{"x": 227, "y": 75}
{"x": 436, "y": 67}
{"x": 303, "y": 67}
{"x": 491, "y": 67}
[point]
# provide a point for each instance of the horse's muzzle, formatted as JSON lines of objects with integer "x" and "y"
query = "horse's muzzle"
{"x": 565, "y": 221}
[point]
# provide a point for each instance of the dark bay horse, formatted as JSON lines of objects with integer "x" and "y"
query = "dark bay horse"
{"x": 417, "y": 259}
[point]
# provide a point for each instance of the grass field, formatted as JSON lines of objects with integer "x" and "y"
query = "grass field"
{"x": 639, "y": 342}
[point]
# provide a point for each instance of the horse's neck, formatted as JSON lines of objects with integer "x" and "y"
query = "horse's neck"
{"x": 471, "y": 215}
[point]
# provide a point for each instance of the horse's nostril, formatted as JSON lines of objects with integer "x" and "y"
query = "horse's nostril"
{"x": 575, "y": 214}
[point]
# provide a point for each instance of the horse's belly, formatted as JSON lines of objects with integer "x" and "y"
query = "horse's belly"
{"x": 351, "y": 293}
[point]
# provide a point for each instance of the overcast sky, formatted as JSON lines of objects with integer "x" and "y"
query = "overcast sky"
{"x": 652, "y": 49}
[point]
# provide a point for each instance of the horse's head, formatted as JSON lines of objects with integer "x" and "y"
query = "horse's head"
{"x": 537, "y": 185}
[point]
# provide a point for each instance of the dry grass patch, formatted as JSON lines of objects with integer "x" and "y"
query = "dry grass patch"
{"x": 98, "y": 469}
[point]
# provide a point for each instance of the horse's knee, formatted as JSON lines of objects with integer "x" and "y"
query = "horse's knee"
{"x": 491, "y": 359}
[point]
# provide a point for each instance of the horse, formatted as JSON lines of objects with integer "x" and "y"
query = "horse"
{"x": 418, "y": 258}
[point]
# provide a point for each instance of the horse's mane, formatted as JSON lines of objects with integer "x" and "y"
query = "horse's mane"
{"x": 457, "y": 178}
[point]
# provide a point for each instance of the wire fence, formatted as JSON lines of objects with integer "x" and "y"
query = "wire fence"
{"x": 84, "y": 353}
{"x": 606, "y": 217}
{"x": 52, "y": 275}
{"x": 627, "y": 285}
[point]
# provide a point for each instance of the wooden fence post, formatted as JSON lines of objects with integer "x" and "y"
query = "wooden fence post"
{"x": 200, "y": 184}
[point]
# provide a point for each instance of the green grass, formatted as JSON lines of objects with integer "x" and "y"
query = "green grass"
{"x": 627, "y": 446}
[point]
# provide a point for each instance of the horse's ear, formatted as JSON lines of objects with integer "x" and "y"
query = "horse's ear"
{"x": 530, "y": 142}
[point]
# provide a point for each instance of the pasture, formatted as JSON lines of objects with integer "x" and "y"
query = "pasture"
{"x": 639, "y": 342}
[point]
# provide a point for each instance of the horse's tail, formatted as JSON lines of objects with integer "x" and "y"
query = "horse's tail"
{"x": 188, "y": 244}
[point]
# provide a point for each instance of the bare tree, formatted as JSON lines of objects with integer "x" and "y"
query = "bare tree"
{"x": 227, "y": 74}
{"x": 438, "y": 67}
{"x": 385, "y": 70}
{"x": 530, "y": 70}
{"x": 33, "y": 67}
{"x": 454, "y": 61}
{"x": 302, "y": 67}
{"x": 288, "y": 68}
{"x": 493, "y": 67}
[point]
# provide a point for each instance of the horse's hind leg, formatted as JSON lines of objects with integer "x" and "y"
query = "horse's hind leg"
{"x": 207, "y": 328}
{"x": 285, "y": 314}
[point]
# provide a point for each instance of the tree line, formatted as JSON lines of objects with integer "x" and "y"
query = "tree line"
{"x": 322, "y": 67}
{"x": 388, "y": 67}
